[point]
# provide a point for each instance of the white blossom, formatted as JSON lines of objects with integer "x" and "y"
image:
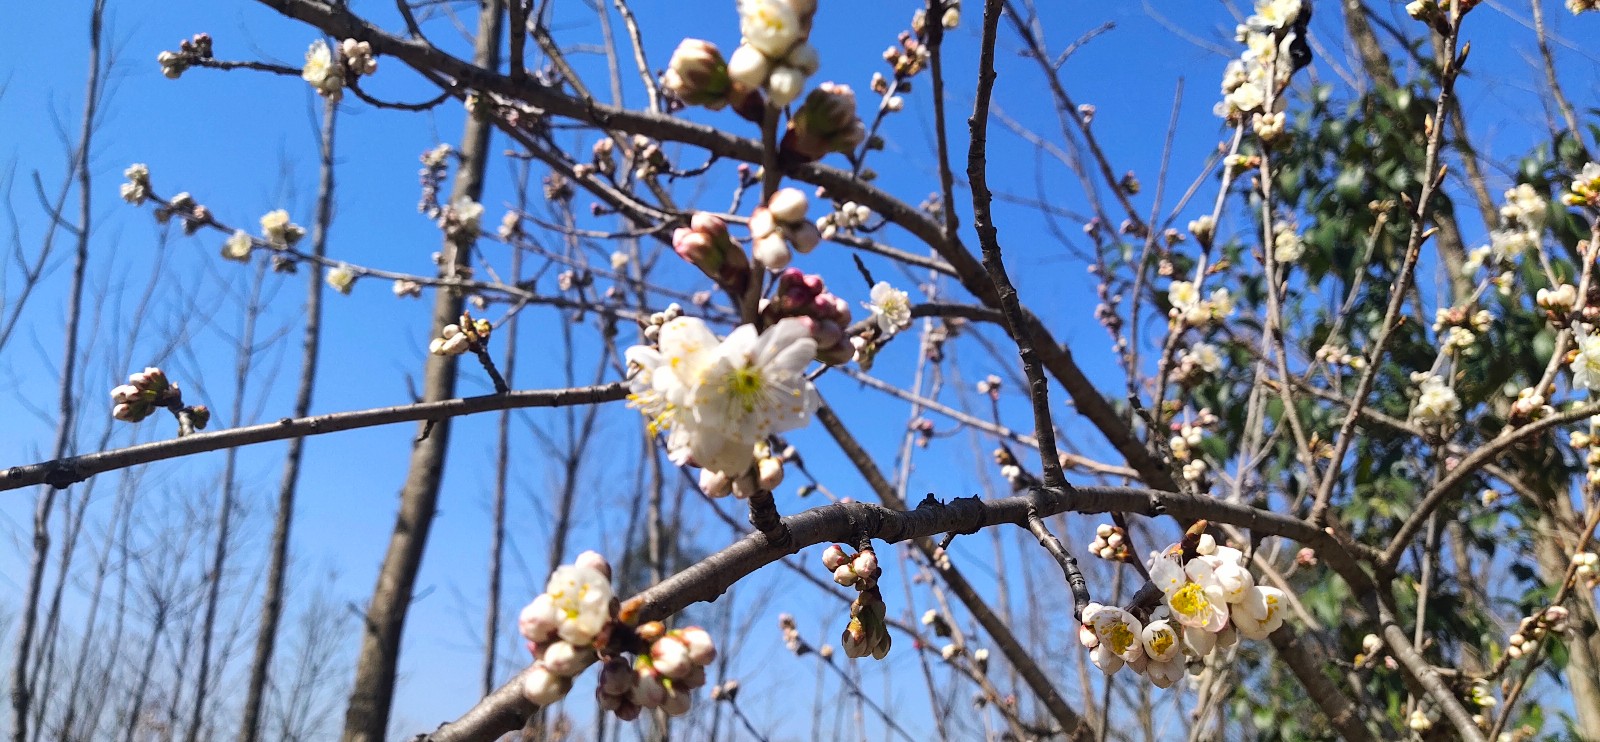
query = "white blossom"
{"x": 891, "y": 307}
{"x": 717, "y": 399}
{"x": 237, "y": 247}
{"x": 1436, "y": 401}
{"x": 770, "y": 26}
{"x": 1586, "y": 366}
{"x": 324, "y": 74}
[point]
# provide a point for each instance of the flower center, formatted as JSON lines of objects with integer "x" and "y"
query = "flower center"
{"x": 1190, "y": 600}
{"x": 1120, "y": 637}
{"x": 1162, "y": 642}
{"x": 745, "y": 386}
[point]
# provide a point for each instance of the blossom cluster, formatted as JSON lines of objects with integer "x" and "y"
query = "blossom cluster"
{"x": 826, "y": 317}
{"x": 1110, "y": 543}
{"x": 573, "y": 625}
{"x": 1586, "y": 568}
{"x": 706, "y": 245}
{"x": 1533, "y": 629}
{"x": 716, "y": 399}
{"x": 1262, "y": 71}
{"x": 323, "y": 71}
{"x": 145, "y": 392}
{"x": 1190, "y": 308}
{"x": 661, "y": 677}
{"x": 1209, "y": 600}
{"x": 190, "y": 51}
{"x": 1436, "y": 402}
{"x": 467, "y": 335}
{"x": 1585, "y": 188}
{"x": 779, "y": 224}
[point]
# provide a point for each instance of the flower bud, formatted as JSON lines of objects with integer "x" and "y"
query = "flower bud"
{"x": 748, "y": 68}
{"x": 769, "y": 473}
{"x": 785, "y": 84}
{"x": 542, "y": 687}
{"x": 702, "y": 651}
{"x": 844, "y": 575}
{"x": 593, "y": 560}
{"x": 697, "y": 75}
{"x": 566, "y": 660}
{"x": 835, "y": 557}
{"x": 772, "y": 251}
{"x": 715, "y": 483}
{"x": 788, "y": 206}
{"x": 670, "y": 657}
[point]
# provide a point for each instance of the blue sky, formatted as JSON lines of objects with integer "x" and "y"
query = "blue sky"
{"x": 244, "y": 143}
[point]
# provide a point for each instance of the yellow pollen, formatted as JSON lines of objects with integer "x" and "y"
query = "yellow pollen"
{"x": 1120, "y": 637}
{"x": 1162, "y": 642}
{"x": 1190, "y": 600}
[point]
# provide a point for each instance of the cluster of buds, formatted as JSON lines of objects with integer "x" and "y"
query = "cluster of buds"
{"x": 149, "y": 390}
{"x": 456, "y": 339}
{"x": 910, "y": 55}
{"x": 766, "y": 475}
{"x": 867, "y": 632}
{"x": 859, "y": 570}
{"x": 661, "y": 677}
{"x": 780, "y": 224}
{"x": 706, "y": 245}
{"x": 826, "y": 122}
{"x": 1586, "y": 568}
{"x": 137, "y": 189}
{"x": 776, "y": 53}
{"x": 1209, "y": 601}
{"x": 1268, "y": 126}
{"x": 407, "y": 289}
{"x": 324, "y": 73}
{"x": 1586, "y": 187}
{"x": 1460, "y": 327}
{"x": 1110, "y": 543}
{"x": 1287, "y": 244}
{"x": 649, "y": 160}
{"x": 193, "y": 214}
{"x": 1340, "y": 355}
{"x": 650, "y": 328}
{"x": 565, "y": 625}
{"x": 849, "y": 217}
{"x": 989, "y": 386}
{"x": 1011, "y": 469}
{"x": 145, "y": 392}
{"x": 278, "y": 231}
{"x": 807, "y": 297}
{"x": 462, "y": 221}
{"x": 1532, "y": 629}
{"x": 1559, "y": 301}
{"x": 435, "y": 164}
{"x": 793, "y": 640}
{"x": 922, "y": 427}
{"x": 1530, "y": 405}
{"x": 358, "y": 58}
{"x": 190, "y": 51}
{"x": 1190, "y": 309}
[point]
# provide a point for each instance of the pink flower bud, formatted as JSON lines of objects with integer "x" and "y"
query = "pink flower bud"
{"x": 670, "y": 657}
{"x": 844, "y": 575}
{"x": 866, "y": 565}
{"x": 835, "y": 556}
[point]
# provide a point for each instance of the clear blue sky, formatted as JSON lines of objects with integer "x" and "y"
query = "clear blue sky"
{"x": 244, "y": 143}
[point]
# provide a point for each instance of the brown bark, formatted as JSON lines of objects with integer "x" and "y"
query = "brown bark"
{"x": 310, "y": 345}
{"x": 367, "y": 717}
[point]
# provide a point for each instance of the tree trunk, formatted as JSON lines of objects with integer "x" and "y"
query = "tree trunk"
{"x": 367, "y": 717}
{"x": 278, "y": 561}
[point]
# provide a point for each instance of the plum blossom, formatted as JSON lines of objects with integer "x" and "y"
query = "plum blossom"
{"x": 715, "y": 399}
{"x": 324, "y": 73}
{"x": 890, "y": 307}
{"x": 1436, "y": 401}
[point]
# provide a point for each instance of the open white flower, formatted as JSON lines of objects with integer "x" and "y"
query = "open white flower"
{"x": 1183, "y": 295}
{"x": 891, "y": 308}
{"x": 324, "y": 74}
{"x": 1192, "y": 592}
{"x": 770, "y": 26}
{"x": 1586, "y": 367}
{"x": 716, "y": 400}
{"x": 237, "y": 247}
{"x": 1438, "y": 403}
{"x": 580, "y": 597}
{"x": 1260, "y": 612}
